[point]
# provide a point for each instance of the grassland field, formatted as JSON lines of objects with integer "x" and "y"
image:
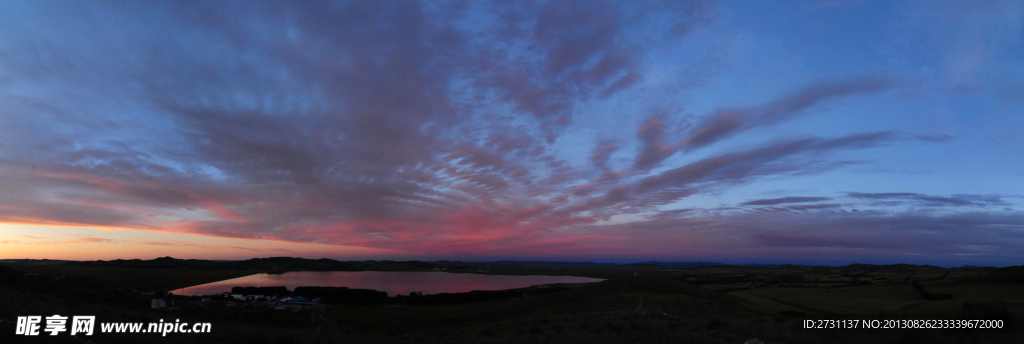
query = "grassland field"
{"x": 694, "y": 304}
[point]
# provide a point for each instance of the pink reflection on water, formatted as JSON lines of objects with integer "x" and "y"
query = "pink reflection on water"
{"x": 393, "y": 283}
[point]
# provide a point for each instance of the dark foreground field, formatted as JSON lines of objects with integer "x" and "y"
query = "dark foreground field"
{"x": 638, "y": 303}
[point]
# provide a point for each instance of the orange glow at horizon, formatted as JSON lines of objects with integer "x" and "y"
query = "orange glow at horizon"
{"x": 37, "y": 241}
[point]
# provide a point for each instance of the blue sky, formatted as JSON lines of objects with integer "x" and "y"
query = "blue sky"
{"x": 820, "y": 132}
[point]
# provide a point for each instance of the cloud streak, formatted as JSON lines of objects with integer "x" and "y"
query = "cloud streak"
{"x": 726, "y": 123}
{"x": 783, "y": 200}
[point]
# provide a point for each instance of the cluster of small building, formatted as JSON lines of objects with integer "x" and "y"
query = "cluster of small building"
{"x": 284, "y": 303}
{"x": 650, "y": 314}
{"x": 275, "y": 302}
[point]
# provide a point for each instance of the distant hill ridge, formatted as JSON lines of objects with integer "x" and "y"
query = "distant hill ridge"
{"x": 658, "y": 263}
{"x": 1008, "y": 275}
{"x": 326, "y": 264}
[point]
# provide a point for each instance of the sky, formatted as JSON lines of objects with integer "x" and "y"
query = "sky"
{"x": 807, "y": 132}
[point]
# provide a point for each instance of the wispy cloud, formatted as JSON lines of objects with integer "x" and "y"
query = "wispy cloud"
{"x": 87, "y": 240}
{"x": 782, "y": 200}
{"x": 728, "y": 122}
{"x": 953, "y": 200}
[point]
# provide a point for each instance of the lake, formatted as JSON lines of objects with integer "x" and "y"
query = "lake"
{"x": 394, "y": 283}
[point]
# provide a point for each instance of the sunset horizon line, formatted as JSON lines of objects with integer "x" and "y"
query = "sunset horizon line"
{"x": 693, "y": 263}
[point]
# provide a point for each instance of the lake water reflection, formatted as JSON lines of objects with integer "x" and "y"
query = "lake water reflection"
{"x": 393, "y": 283}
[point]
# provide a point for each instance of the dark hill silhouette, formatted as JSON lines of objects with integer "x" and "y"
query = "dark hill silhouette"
{"x": 1007, "y": 275}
